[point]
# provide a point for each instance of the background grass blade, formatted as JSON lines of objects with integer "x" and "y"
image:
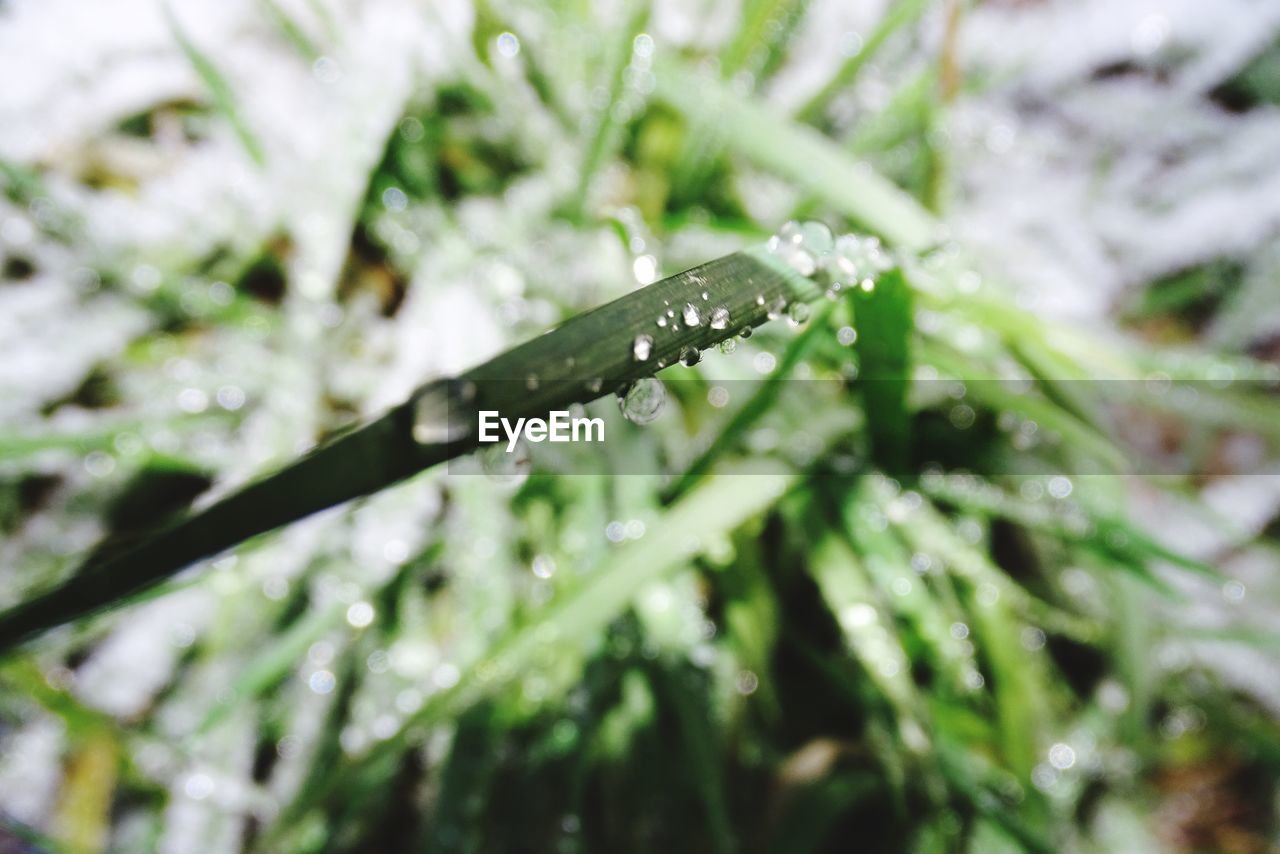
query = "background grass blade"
{"x": 801, "y": 155}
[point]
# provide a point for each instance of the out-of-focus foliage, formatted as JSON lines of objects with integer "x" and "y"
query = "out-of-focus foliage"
{"x": 879, "y": 634}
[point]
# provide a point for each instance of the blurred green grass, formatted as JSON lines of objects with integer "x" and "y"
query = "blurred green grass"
{"x": 854, "y": 645}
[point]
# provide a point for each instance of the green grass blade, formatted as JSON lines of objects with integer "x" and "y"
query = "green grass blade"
{"x": 275, "y": 662}
{"x": 224, "y": 97}
{"x": 385, "y": 451}
{"x": 885, "y": 322}
{"x": 292, "y": 32}
{"x": 902, "y": 13}
{"x": 606, "y": 132}
{"x": 801, "y": 155}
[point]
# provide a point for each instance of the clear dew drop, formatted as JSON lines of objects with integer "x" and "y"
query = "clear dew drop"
{"x": 815, "y": 238}
{"x": 744, "y": 333}
{"x": 442, "y": 412}
{"x": 728, "y": 345}
{"x": 595, "y": 384}
{"x": 690, "y": 356}
{"x": 662, "y": 321}
{"x": 798, "y": 314}
{"x": 776, "y": 307}
{"x": 642, "y": 347}
{"x": 671, "y": 312}
{"x": 531, "y": 382}
{"x": 705, "y": 296}
{"x": 720, "y": 318}
{"x": 692, "y": 317}
{"x": 642, "y": 401}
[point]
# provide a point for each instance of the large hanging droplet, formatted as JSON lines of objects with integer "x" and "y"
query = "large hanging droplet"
{"x": 642, "y": 401}
{"x": 798, "y": 314}
{"x": 720, "y": 318}
{"x": 691, "y": 315}
{"x": 690, "y": 356}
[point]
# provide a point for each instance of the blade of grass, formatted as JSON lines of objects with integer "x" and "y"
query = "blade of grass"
{"x": 885, "y": 322}
{"x": 441, "y": 415}
{"x": 292, "y": 32}
{"x": 800, "y": 154}
{"x": 606, "y": 132}
{"x": 1075, "y": 433}
{"x": 274, "y": 664}
{"x": 224, "y": 97}
{"x": 900, "y": 14}
{"x": 748, "y": 58}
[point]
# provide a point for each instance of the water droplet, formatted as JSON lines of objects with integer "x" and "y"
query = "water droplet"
{"x": 815, "y": 238}
{"x": 691, "y": 315}
{"x": 802, "y": 245}
{"x": 728, "y": 345}
{"x": 441, "y": 414}
{"x": 508, "y": 45}
{"x": 1234, "y": 591}
{"x": 720, "y": 318}
{"x": 360, "y": 615}
{"x": 642, "y": 401}
{"x": 705, "y": 296}
{"x": 322, "y": 682}
{"x": 531, "y": 382}
{"x": 744, "y": 332}
{"x": 690, "y": 356}
{"x": 543, "y": 566}
{"x": 594, "y": 384}
{"x": 642, "y": 347}
{"x": 847, "y": 335}
{"x": 662, "y": 322}
{"x": 776, "y": 307}
{"x": 671, "y": 312}
{"x": 1062, "y": 756}
{"x": 645, "y": 269}
{"x": 798, "y": 314}
{"x": 759, "y": 299}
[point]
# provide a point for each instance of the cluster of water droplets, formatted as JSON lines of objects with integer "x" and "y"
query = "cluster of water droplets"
{"x": 837, "y": 263}
{"x": 808, "y": 248}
